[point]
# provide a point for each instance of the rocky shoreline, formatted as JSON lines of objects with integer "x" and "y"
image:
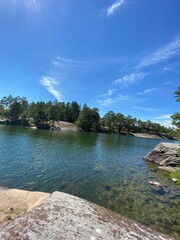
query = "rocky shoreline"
{"x": 14, "y": 202}
{"x": 165, "y": 156}
{"x": 63, "y": 216}
{"x": 68, "y": 126}
{"x": 146, "y": 135}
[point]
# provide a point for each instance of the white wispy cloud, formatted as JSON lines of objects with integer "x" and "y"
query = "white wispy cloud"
{"x": 55, "y": 63}
{"x": 114, "y": 100}
{"x": 166, "y": 123}
{"x": 109, "y": 93}
{"x": 106, "y": 102}
{"x": 68, "y": 67}
{"x": 138, "y": 70}
{"x": 148, "y": 91}
{"x": 167, "y": 69}
{"x": 49, "y": 83}
{"x": 111, "y": 9}
{"x": 130, "y": 79}
{"x": 167, "y": 83}
{"x": 170, "y": 50}
{"x": 164, "y": 120}
{"x": 146, "y": 109}
{"x": 164, "y": 116}
{"x": 70, "y": 61}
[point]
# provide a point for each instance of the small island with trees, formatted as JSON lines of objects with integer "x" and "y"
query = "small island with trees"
{"x": 43, "y": 115}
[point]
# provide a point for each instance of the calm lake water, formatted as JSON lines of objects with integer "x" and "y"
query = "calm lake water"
{"x": 106, "y": 169}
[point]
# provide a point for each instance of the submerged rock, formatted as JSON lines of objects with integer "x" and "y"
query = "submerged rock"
{"x": 157, "y": 187}
{"x": 174, "y": 180}
{"x": 156, "y": 184}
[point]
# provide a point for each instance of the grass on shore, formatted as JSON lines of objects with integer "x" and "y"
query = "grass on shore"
{"x": 175, "y": 175}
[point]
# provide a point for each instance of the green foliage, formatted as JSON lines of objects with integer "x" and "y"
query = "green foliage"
{"x": 175, "y": 175}
{"x": 176, "y": 119}
{"x": 18, "y": 111}
{"x": 178, "y": 152}
{"x": 177, "y": 94}
{"x": 176, "y": 116}
{"x": 89, "y": 119}
{"x": 119, "y": 123}
{"x": 109, "y": 120}
{"x": 174, "y": 133}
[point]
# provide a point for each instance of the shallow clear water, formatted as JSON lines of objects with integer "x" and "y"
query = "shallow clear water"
{"x": 106, "y": 169}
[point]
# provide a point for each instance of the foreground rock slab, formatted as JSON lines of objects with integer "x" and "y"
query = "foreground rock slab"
{"x": 165, "y": 155}
{"x": 62, "y": 216}
{"x": 14, "y": 202}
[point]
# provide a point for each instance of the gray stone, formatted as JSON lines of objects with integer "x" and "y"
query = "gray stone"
{"x": 174, "y": 180}
{"x": 164, "y": 154}
{"x": 62, "y": 216}
{"x": 169, "y": 169}
{"x": 156, "y": 184}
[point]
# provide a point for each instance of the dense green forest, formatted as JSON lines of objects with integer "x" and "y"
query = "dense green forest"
{"x": 18, "y": 111}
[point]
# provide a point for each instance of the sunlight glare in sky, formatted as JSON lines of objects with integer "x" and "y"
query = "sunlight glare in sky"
{"x": 14, "y": 6}
{"x": 119, "y": 55}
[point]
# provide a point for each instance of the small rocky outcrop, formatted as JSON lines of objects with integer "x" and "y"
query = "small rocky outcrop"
{"x": 165, "y": 155}
{"x": 63, "y": 126}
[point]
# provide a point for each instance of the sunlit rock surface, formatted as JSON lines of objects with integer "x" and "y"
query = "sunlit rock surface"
{"x": 165, "y": 155}
{"x": 14, "y": 202}
{"x": 63, "y": 216}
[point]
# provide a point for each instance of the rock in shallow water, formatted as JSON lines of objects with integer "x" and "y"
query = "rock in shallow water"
{"x": 174, "y": 180}
{"x": 164, "y": 154}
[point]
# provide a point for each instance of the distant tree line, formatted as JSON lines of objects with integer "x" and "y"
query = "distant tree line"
{"x": 18, "y": 111}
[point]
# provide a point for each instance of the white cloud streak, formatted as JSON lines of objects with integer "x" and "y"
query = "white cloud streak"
{"x": 146, "y": 109}
{"x": 49, "y": 83}
{"x": 68, "y": 67}
{"x": 165, "y": 116}
{"x": 109, "y": 93}
{"x": 167, "y": 83}
{"x": 162, "y": 54}
{"x": 106, "y": 102}
{"x": 110, "y": 101}
{"x": 164, "y": 120}
{"x": 166, "y": 123}
{"x": 169, "y": 51}
{"x": 111, "y": 9}
{"x": 130, "y": 79}
{"x": 148, "y": 91}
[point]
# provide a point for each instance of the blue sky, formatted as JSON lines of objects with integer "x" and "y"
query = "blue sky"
{"x": 119, "y": 55}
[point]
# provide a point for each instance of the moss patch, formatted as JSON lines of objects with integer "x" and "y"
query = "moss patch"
{"x": 176, "y": 175}
{"x": 178, "y": 152}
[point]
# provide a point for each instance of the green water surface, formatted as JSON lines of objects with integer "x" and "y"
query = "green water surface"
{"x": 106, "y": 169}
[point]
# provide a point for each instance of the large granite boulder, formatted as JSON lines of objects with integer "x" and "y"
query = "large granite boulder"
{"x": 164, "y": 154}
{"x": 63, "y": 216}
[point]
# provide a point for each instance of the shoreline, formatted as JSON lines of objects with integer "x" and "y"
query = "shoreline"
{"x": 63, "y": 216}
{"x": 146, "y": 135}
{"x": 71, "y": 127}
